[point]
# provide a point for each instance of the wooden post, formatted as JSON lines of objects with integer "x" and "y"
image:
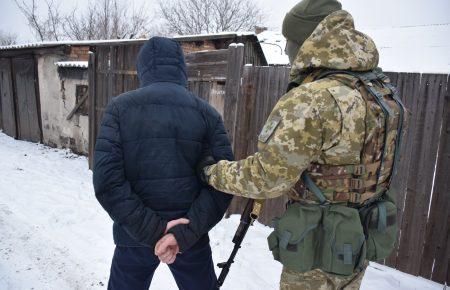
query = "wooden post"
{"x": 92, "y": 67}
{"x": 233, "y": 87}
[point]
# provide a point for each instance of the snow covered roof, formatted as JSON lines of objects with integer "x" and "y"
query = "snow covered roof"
{"x": 219, "y": 35}
{"x": 106, "y": 41}
{"x": 273, "y": 44}
{"x": 407, "y": 49}
{"x": 79, "y": 64}
{"x": 65, "y": 42}
{"x": 424, "y": 49}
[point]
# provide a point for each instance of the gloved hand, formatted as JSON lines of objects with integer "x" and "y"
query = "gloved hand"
{"x": 206, "y": 160}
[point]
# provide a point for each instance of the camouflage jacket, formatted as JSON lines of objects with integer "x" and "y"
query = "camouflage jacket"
{"x": 320, "y": 121}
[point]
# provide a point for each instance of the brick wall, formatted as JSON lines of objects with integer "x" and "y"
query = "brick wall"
{"x": 79, "y": 53}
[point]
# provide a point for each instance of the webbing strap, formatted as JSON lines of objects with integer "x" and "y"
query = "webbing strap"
{"x": 398, "y": 142}
{"x": 284, "y": 239}
{"x": 348, "y": 254}
{"x": 382, "y": 217}
{"x": 309, "y": 183}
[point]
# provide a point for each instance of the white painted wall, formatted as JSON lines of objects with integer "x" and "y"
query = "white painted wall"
{"x": 57, "y": 95}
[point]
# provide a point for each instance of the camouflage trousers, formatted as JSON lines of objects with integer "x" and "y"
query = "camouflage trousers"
{"x": 319, "y": 280}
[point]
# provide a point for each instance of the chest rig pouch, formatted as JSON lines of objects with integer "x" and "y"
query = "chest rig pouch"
{"x": 345, "y": 214}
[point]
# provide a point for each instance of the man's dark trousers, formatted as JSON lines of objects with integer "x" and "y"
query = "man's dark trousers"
{"x": 133, "y": 268}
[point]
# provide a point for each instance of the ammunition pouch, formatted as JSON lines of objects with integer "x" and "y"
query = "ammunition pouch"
{"x": 328, "y": 237}
{"x": 294, "y": 240}
{"x": 332, "y": 237}
{"x": 379, "y": 221}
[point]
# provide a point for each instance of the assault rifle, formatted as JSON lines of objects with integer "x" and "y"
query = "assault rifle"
{"x": 250, "y": 214}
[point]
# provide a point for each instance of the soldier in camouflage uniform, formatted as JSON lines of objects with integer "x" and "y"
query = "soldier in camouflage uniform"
{"x": 317, "y": 123}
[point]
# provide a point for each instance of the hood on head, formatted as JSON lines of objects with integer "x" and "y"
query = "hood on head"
{"x": 336, "y": 44}
{"x": 161, "y": 60}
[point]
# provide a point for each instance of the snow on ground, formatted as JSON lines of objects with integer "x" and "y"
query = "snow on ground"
{"x": 54, "y": 234}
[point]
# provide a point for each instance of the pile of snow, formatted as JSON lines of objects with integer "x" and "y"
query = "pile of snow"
{"x": 54, "y": 234}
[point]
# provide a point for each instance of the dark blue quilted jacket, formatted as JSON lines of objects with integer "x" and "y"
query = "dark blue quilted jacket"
{"x": 147, "y": 149}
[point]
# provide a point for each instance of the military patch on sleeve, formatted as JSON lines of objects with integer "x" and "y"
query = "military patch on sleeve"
{"x": 268, "y": 129}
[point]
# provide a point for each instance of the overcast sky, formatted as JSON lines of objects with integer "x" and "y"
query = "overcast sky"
{"x": 368, "y": 14}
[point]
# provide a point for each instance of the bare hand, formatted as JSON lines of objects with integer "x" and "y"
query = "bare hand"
{"x": 171, "y": 224}
{"x": 167, "y": 249}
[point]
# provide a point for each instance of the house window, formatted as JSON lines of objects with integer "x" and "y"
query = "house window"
{"x": 82, "y": 96}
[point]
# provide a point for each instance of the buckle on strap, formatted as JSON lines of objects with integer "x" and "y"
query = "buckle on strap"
{"x": 354, "y": 197}
{"x": 356, "y": 183}
{"x": 359, "y": 170}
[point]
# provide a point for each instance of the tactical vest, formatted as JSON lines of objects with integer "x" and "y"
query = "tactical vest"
{"x": 357, "y": 184}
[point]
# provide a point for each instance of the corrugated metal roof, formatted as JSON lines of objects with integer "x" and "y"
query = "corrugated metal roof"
{"x": 79, "y": 64}
{"x": 68, "y": 42}
{"x": 100, "y": 41}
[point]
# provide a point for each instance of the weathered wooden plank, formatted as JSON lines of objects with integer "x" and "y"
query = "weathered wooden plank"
{"x": 120, "y": 55}
{"x": 6, "y": 97}
{"x": 220, "y": 55}
{"x": 241, "y": 149}
{"x": 217, "y": 96}
{"x": 426, "y": 139}
{"x": 37, "y": 98}
{"x": 1, "y": 111}
{"x": 276, "y": 206}
{"x": 92, "y": 68}
{"x": 207, "y": 70}
{"x": 244, "y": 120}
{"x": 436, "y": 253}
{"x": 408, "y": 86}
{"x": 129, "y": 65}
{"x": 256, "y": 81}
{"x": 235, "y": 64}
{"x": 27, "y": 111}
{"x": 102, "y": 87}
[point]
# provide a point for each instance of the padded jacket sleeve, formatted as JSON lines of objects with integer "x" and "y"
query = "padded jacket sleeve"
{"x": 209, "y": 207}
{"x": 113, "y": 190}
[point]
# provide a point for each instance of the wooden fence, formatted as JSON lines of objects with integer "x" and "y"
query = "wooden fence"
{"x": 422, "y": 182}
{"x": 245, "y": 95}
{"x": 210, "y": 75}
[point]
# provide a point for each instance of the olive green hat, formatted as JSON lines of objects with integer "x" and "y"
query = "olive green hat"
{"x": 301, "y": 21}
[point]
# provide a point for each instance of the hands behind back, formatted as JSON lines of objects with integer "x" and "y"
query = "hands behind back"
{"x": 167, "y": 247}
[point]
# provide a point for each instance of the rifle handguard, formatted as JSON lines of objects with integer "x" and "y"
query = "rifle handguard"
{"x": 250, "y": 214}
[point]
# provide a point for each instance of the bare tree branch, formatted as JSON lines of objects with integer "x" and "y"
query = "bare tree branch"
{"x": 100, "y": 19}
{"x": 7, "y": 38}
{"x": 209, "y": 16}
{"x": 108, "y": 19}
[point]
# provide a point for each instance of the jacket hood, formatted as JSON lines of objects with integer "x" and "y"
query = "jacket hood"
{"x": 161, "y": 60}
{"x": 336, "y": 44}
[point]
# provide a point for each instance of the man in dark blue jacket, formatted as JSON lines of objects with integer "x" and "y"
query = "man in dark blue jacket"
{"x": 149, "y": 144}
